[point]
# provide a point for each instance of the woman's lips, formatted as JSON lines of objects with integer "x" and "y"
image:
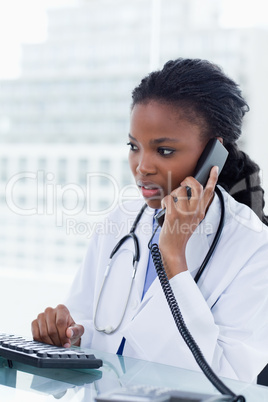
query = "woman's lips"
{"x": 150, "y": 191}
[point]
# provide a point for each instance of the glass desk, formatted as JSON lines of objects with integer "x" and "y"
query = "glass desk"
{"x": 25, "y": 383}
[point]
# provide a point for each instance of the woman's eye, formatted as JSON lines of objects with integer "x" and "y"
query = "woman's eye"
{"x": 165, "y": 151}
{"x": 133, "y": 147}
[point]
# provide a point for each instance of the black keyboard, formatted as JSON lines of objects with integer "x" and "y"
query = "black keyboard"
{"x": 40, "y": 354}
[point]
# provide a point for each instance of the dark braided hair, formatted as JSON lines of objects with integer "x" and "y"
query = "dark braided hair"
{"x": 207, "y": 97}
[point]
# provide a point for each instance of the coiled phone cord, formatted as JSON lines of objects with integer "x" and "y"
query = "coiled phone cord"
{"x": 185, "y": 333}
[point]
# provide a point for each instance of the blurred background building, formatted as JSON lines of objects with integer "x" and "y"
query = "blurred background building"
{"x": 64, "y": 121}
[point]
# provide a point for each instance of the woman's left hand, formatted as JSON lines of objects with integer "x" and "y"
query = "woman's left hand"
{"x": 183, "y": 215}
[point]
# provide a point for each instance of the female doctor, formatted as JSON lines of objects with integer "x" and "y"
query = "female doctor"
{"x": 174, "y": 113}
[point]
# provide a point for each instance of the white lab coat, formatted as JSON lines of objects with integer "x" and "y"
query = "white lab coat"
{"x": 227, "y": 312}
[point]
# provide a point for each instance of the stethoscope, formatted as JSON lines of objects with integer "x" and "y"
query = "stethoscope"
{"x": 109, "y": 329}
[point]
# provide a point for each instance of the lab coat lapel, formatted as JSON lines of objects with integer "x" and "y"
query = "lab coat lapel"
{"x": 196, "y": 250}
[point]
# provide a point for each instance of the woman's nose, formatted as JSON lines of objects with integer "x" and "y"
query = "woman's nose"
{"x": 145, "y": 166}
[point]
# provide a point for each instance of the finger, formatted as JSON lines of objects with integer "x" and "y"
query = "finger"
{"x": 173, "y": 204}
{"x": 63, "y": 321}
{"x": 192, "y": 185}
{"x": 74, "y": 333}
{"x": 209, "y": 190}
{"x": 167, "y": 201}
{"x": 187, "y": 195}
{"x": 213, "y": 178}
{"x": 43, "y": 329}
{"x": 52, "y": 326}
{"x": 35, "y": 331}
{"x": 197, "y": 189}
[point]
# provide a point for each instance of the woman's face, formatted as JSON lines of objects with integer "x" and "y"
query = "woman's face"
{"x": 164, "y": 149}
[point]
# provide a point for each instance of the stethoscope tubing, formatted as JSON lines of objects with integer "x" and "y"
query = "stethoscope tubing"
{"x": 136, "y": 257}
{"x": 216, "y": 238}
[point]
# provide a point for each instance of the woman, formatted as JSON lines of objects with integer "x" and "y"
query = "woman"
{"x": 174, "y": 113}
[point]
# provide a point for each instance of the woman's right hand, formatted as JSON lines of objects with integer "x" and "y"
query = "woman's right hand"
{"x": 182, "y": 218}
{"x": 55, "y": 326}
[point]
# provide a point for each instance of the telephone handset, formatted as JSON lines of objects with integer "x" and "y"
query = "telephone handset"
{"x": 214, "y": 154}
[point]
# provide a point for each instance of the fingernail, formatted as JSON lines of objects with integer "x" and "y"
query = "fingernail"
{"x": 71, "y": 333}
{"x": 66, "y": 345}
